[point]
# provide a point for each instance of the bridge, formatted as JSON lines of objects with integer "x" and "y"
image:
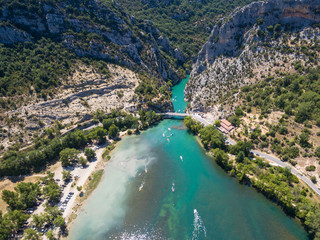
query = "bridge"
{"x": 183, "y": 115}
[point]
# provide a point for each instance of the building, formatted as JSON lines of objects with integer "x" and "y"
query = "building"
{"x": 225, "y": 126}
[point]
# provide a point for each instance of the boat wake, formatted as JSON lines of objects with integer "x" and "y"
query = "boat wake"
{"x": 141, "y": 186}
{"x": 198, "y": 226}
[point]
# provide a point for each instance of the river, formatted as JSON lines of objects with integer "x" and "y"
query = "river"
{"x": 162, "y": 185}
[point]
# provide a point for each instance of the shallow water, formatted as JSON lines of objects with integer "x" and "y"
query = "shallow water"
{"x": 162, "y": 185}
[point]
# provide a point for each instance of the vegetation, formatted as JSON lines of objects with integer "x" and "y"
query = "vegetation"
{"x": 187, "y": 24}
{"x": 23, "y": 200}
{"x": 297, "y": 96}
{"x": 90, "y": 153}
{"x": 94, "y": 181}
{"x": 24, "y": 197}
{"x": 66, "y": 148}
{"x": 276, "y": 183}
{"x": 68, "y": 156}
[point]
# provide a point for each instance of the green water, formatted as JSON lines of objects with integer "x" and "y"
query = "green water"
{"x": 178, "y": 96}
{"x": 162, "y": 185}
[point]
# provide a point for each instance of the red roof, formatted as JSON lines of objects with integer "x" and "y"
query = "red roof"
{"x": 226, "y": 123}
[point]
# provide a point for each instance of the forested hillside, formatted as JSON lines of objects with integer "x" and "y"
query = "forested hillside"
{"x": 40, "y": 42}
{"x": 63, "y": 60}
{"x": 186, "y": 23}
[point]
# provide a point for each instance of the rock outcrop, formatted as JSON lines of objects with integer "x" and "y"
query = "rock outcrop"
{"x": 250, "y": 40}
{"x": 111, "y": 34}
{"x": 10, "y": 35}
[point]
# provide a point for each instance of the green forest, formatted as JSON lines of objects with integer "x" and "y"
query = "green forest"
{"x": 186, "y": 23}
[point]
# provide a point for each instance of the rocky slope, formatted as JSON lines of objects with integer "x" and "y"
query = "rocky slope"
{"x": 96, "y": 29}
{"x": 253, "y": 42}
{"x": 94, "y": 32}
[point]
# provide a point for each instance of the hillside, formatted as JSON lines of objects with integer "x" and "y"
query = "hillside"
{"x": 187, "y": 24}
{"x": 260, "y": 70}
{"x": 63, "y": 60}
{"x": 261, "y": 39}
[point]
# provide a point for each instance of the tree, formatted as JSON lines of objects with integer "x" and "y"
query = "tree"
{"x": 304, "y": 112}
{"x": 31, "y": 234}
{"x": 90, "y": 153}
{"x": 245, "y": 147}
{"x": 99, "y": 134}
{"x": 240, "y": 157}
{"x": 50, "y": 235}
{"x": 113, "y": 131}
{"x": 83, "y": 161}
{"x": 192, "y": 125}
{"x": 59, "y": 222}
{"x": 52, "y": 192}
{"x": 221, "y": 158}
{"x": 15, "y": 219}
{"x": 304, "y": 140}
{"x": 38, "y": 220}
{"x": 11, "y": 198}
{"x": 24, "y": 197}
{"x": 238, "y": 112}
{"x": 66, "y": 175}
{"x": 28, "y": 193}
{"x": 107, "y": 123}
{"x": 317, "y": 152}
{"x": 68, "y": 156}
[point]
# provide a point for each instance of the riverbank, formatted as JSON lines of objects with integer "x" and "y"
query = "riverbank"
{"x": 153, "y": 187}
{"x": 274, "y": 182}
{"x": 92, "y": 181}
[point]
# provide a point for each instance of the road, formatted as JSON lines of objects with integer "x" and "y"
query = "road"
{"x": 293, "y": 170}
{"x": 268, "y": 157}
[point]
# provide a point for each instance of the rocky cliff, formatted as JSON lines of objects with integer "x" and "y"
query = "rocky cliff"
{"x": 94, "y": 29}
{"x": 253, "y": 42}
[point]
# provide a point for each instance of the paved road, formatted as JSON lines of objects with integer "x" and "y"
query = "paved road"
{"x": 267, "y": 157}
{"x": 293, "y": 170}
{"x": 278, "y": 162}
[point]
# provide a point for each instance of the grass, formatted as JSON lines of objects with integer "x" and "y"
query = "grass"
{"x": 106, "y": 157}
{"x": 94, "y": 182}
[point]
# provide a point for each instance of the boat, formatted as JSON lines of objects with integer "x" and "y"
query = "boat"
{"x": 163, "y": 135}
{"x": 181, "y": 158}
{"x": 169, "y": 129}
{"x": 172, "y": 187}
{"x": 146, "y": 170}
{"x": 141, "y": 186}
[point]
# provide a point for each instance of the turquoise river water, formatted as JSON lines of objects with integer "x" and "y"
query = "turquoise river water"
{"x": 162, "y": 185}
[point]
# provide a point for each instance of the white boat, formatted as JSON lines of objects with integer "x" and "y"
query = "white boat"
{"x": 163, "y": 135}
{"x": 181, "y": 158}
{"x": 141, "y": 186}
{"x": 169, "y": 129}
{"x": 172, "y": 187}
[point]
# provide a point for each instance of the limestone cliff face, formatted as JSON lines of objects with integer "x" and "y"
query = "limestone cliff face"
{"x": 238, "y": 43}
{"x": 111, "y": 34}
